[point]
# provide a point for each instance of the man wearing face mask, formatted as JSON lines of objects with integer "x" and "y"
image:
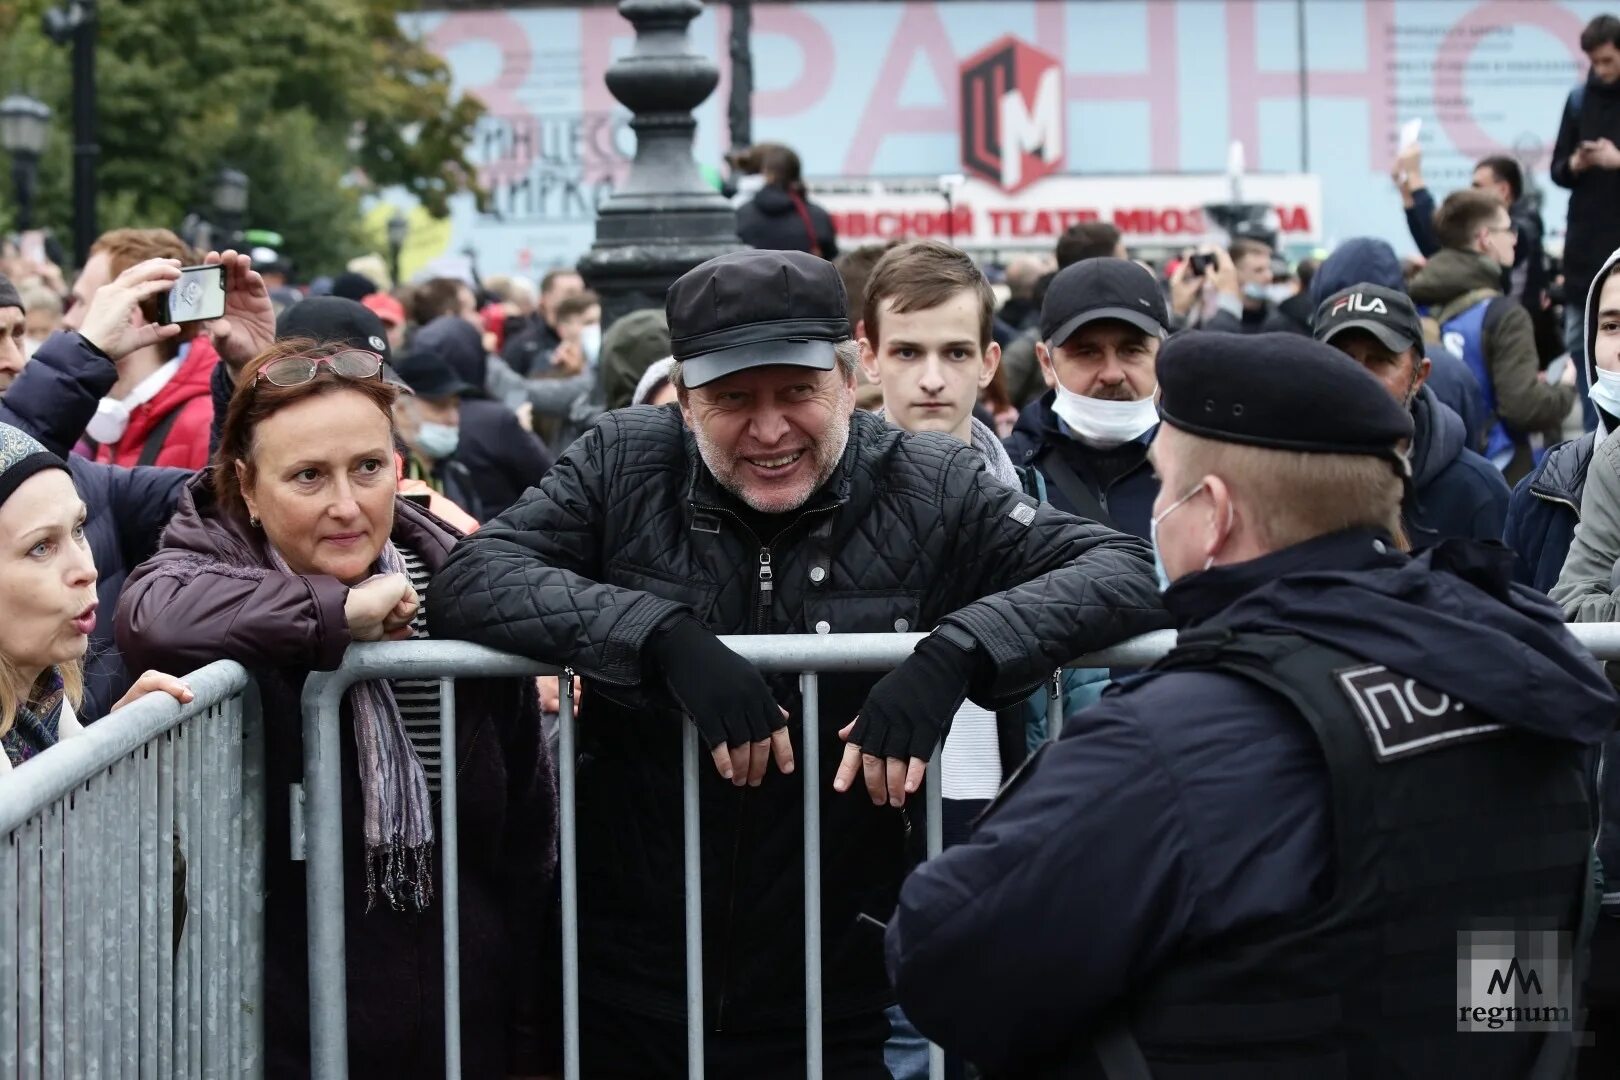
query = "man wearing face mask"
{"x": 1264, "y": 855}
{"x": 428, "y": 421}
{"x": 1454, "y": 492}
{"x": 1101, "y": 325}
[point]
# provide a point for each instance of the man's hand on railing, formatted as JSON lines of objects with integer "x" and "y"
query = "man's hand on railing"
{"x": 901, "y": 723}
{"x": 727, "y": 698}
{"x": 156, "y": 682}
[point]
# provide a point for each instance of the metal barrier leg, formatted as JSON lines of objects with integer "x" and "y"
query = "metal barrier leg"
{"x": 152, "y": 934}
{"x": 214, "y": 812}
{"x": 197, "y": 880}
{"x": 935, "y": 790}
{"x": 9, "y": 902}
{"x": 810, "y": 774}
{"x": 693, "y": 858}
{"x": 53, "y": 928}
{"x": 28, "y": 915}
{"x": 1054, "y": 705}
{"x": 75, "y": 886}
{"x": 129, "y": 907}
{"x": 449, "y": 865}
{"x": 251, "y": 926}
{"x": 567, "y": 857}
{"x": 164, "y": 929}
{"x": 323, "y": 818}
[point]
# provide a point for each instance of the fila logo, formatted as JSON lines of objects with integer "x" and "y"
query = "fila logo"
{"x": 1358, "y": 303}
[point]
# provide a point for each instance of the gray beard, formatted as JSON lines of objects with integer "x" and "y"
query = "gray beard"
{"x": 828, "y": 453}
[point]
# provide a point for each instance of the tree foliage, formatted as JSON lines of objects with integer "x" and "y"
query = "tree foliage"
{"x": 318, "y": 101}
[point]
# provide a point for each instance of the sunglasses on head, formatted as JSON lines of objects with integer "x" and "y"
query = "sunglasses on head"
{"x": 297, "y": 370}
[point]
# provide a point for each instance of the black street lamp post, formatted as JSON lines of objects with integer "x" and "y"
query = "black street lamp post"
{"x": 230, "y": 203}
{"x": 75, "y": 22}
{"x": 664, "y": 219}
{"x": 398, "y": 228}
{"x": 24, "y": 124}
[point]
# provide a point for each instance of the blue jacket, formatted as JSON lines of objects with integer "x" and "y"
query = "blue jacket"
{"x": 53, "y": 400}
{"x": 1457, "y": 494}
{"x": 1128, "y": 500}
{"x": 1543, "y": 513}
{"x": 1188, "y": 805}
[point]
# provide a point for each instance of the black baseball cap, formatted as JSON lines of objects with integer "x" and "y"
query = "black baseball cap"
{"x": 1386, "y": 314}
{"x": 1102, "y": 288}
{"x": 753, "y": 309}
{"x": 334, "y": 320}
{"x": 429, "y": 375}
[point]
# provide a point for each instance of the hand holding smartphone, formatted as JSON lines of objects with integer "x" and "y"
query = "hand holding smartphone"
{"x": 198, "y": 296}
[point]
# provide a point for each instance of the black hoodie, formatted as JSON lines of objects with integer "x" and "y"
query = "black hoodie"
{"x": 1594, "y": 199}
{"x": 1456, "y": 494}
{"x": 773, "y": 221}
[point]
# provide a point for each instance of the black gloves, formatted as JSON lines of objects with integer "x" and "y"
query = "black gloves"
{"x": 726, "y": 696}
{"x": 911, "y": 707}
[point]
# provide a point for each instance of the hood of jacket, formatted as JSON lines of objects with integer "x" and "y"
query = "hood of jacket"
{"x": 1450, "y": 617}
{"x": 1592, "y": 295}
{"x": 773, "y": 201}
{"x": 1438, "y": 437}
{"x": 193, "y": 380}
{"x": 629, "y": 347}
{"x": 200, "y": 523}
{"x": 459, "y": 343}
{"x": 1452, "y": 273}
{"x": 1363, "y": 260}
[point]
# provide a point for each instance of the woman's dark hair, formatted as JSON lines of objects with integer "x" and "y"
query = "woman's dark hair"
{"x": 777, "y": 163}
{"x": 255, "y": 400}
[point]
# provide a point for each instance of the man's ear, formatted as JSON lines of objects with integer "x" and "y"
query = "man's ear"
{"x": 992, "y": 361}
{"x": 869, "y": 364}
{"x": 1043, "y": 353}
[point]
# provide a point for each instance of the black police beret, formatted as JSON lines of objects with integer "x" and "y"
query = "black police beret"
{"x": 1279, "y": 391}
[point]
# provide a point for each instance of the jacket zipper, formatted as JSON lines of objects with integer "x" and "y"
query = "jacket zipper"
{"x": 1545, "y": 497}
{"x": 762, "y": 619}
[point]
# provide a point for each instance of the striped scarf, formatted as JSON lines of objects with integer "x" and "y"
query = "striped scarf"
{"x": 398, "y": 828}
{"x": 38, "y": 719}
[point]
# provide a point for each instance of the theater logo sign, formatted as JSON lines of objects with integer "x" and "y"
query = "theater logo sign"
{"x": 1012, "y": 114}
{"x": 1514, "y": 980}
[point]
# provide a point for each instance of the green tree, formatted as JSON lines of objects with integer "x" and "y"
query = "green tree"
{"x": 318, "y": 101}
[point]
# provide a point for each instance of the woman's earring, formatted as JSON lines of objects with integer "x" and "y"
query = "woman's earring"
{"x": 253, "y": 520}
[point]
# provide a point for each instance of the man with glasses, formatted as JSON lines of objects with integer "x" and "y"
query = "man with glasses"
{"x": 1461, "y": 287}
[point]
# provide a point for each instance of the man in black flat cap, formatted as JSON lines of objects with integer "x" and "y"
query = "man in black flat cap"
{"x": 774, "y": 508}
{"x": 1295, "y": 847}
{"x": 1454, "y": 491}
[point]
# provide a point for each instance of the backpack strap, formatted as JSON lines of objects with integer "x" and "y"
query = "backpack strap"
{"x": 158, "y": 436}
{"x": 1577, "y": 98}
{"x": 809, "y": 226}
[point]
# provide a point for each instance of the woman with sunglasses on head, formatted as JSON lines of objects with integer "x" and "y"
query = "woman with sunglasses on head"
{"x": 291, "y": 546}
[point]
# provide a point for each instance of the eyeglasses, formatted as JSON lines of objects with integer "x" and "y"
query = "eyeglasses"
{"x": 298, "y": 370}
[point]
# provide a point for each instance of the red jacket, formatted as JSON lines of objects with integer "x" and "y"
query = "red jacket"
{"x": 186, "y": 443}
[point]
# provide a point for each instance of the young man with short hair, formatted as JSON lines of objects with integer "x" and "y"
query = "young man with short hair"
{"x": 1462, "y": 289}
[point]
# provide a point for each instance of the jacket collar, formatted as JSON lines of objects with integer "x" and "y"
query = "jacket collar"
{"x": 1200, "y": 597}
{"x": 1562, "y": 474}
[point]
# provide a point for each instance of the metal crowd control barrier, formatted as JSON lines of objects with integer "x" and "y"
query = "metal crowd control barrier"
{"x": 132, "y": 893}
{"x": 808, "y": 655}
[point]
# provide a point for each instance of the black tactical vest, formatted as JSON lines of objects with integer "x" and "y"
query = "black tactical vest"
{"x": 1442, "y": 821}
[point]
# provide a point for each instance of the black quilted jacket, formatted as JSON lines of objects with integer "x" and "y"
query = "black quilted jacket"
{"x": 628, "y": 529}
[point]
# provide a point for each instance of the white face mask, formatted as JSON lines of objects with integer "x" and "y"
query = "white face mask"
{"x": 1606, "y": 391}
{"x": 109, "y": 423}
{"x": 590, "y": 341}
{"x": 1105, "y": 424}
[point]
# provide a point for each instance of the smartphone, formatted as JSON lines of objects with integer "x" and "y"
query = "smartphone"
{"x": 32, "y": 246}
{"x": 1200, "y": 264}
{"x": 1411, "y": 131}
{"x": 199, "y": 295}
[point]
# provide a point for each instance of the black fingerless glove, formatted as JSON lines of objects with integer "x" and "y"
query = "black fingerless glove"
{"x": 911, "y": 707}
{"x": 726, "y": 696}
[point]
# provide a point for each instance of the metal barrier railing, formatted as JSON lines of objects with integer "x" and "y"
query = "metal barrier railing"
{"x": 809, "y": 655}
{"x": 132, "y": 893}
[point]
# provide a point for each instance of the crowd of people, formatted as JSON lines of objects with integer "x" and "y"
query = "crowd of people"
{"x": 1368, "y": 492}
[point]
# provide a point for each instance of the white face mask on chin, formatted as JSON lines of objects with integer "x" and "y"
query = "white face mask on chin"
{"x": 1104, "y": 424}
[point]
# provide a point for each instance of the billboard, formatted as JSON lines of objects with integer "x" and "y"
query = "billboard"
{"x": 1025, "y": 96}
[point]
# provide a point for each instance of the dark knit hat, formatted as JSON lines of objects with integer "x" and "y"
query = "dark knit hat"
{"x": 9, "y": 296}
{"x": 21, "y": 456}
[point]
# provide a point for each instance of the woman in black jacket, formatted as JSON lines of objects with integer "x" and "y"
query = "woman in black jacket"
{"x": 780, "y": 218}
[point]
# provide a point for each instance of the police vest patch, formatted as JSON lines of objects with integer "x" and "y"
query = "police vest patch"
{"x": 1404, "y": 717}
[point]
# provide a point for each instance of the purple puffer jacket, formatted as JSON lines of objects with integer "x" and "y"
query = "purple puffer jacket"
{"x": 208, "y": 594}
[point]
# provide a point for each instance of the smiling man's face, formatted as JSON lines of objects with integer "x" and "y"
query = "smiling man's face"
{"x": 772, "y": 435}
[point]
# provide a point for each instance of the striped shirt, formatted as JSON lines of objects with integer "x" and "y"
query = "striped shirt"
{"x": 418, "y": 699}
{"x": 971, "y": 761}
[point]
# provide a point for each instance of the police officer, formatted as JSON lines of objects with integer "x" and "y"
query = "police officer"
{"x": 763, "y": 503}
{"x": 1256, "y": 858}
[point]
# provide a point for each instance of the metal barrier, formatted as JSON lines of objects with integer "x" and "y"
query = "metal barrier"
{"x": 808, "y": 655}
{"x": 132, "y": 893}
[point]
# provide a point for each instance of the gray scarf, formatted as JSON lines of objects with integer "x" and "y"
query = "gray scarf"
{"x": 398, "y": 827}
{"x": 996, "y": 461}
